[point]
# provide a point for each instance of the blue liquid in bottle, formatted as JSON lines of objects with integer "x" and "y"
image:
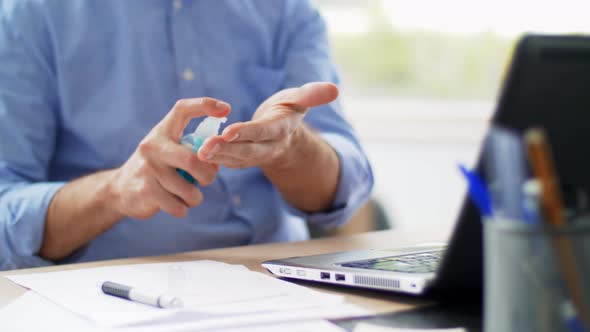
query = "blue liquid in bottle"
{"x": 197, "y": 144}
{"x": 209, "y": 127}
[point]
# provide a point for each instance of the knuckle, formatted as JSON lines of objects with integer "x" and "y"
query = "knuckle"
{"x": 282, "y": 132}
{"x": 189, "y": 194}
{"x": 178, "y": 111}
{"x": 179, "y": 211}
{"x": 146, "y": 213}
{"x": 208, "y": 174}
{"x": 145, "y": 147}
{"x": 196, "y": 197}
{"x": 260, "y": 133}
{"x": 180, "y": 103}
{"x": 151, "y": 212}
{"x": 191, "y": 200}
{"x": 207, "y": 179}
{"x": 207, "y": 101}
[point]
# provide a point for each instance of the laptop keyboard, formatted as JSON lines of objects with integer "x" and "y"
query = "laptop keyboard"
{"x": 424, "y": 262}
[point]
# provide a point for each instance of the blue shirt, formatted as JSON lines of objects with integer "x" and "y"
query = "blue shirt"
{"x": 82, "y": 82}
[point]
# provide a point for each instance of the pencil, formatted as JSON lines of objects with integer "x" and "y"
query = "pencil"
{"x": 540, "y": 158}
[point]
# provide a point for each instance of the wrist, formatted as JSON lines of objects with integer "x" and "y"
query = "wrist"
{"x": 108, "y": 196}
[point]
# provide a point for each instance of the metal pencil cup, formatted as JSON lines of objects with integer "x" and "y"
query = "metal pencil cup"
{"x": 524, "y": 283}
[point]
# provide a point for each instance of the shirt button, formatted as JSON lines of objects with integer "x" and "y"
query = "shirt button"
{"x": 177, "y": 4}
{"x": 188, "y": 74}
{"x": 237, "y": 200}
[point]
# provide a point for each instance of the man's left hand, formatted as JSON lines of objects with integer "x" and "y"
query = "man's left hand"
{"x": 274, "y": 130}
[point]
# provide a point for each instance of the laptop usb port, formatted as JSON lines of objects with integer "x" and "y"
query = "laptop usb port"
{"x": 325, "y": 275}
{"x": 340, "y": 277}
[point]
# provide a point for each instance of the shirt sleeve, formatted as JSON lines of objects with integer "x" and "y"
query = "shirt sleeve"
{"x": 27, "y": 134}
{"x": 305, "y": 49}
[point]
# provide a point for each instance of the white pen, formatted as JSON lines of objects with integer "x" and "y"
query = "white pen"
{"x": 140, "y": 295}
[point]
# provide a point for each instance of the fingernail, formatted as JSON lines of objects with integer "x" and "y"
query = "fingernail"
{"x": 221, "y": 104}
{"x": 211, "y": 153}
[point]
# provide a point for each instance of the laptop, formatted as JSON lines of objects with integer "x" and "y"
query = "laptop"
{"x": 548, "y": 84}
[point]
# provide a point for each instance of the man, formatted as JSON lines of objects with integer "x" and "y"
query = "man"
{"x": 95, "y": 95}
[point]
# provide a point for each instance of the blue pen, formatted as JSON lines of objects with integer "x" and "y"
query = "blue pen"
{"x": 478, "y": 191}
{"x": 571, "y": 320}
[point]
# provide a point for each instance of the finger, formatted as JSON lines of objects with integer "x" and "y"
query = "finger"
{"x": 169, "y": 203}
{"x": 306, "y": 96}
{"x": 166, "y": 152}
{"x": 232, "y": 162}
{"x": 186, "y": 109}
{"x": 262, "y": 130}
{"x": 174, "y": 184}
{"x": 256, "y": 152}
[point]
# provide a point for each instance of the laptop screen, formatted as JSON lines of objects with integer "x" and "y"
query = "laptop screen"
{"x": 548, "y": 85}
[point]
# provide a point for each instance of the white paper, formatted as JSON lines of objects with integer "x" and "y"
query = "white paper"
{"x": 213, "y": 293}
{"x": 31, "y": 312}
{"x": 365, "y": 327}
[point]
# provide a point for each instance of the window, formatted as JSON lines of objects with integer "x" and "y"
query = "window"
{"x": 420, "y": 78}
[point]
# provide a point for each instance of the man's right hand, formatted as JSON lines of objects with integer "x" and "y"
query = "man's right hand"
{"x": 145, "y": 184}
{"x": 148, "y": 181}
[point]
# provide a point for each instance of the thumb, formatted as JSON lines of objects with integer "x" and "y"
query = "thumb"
{"x": 310, "y": 95}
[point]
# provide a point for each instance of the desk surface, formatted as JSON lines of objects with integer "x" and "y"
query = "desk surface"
{"x": 252, "y": 256}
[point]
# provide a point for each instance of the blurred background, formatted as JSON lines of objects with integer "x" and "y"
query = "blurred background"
{"x": 420, "y": 80}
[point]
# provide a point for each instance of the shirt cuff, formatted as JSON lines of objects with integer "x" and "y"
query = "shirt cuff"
{"x": 23, "y": 210}
{"x": 354, "y": 185}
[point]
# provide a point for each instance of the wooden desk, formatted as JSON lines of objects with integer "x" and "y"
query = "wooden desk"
{"x": 252, "y": 256}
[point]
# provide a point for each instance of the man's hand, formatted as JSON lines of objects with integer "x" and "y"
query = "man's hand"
{"x": 276, "y": 127}
{"x": 285, "y": 149}
{"x": 148, "y": 181}
{"x": 145, "y": 184}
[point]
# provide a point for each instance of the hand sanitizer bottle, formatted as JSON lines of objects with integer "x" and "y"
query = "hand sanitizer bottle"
{"x": 209, "y": 127}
